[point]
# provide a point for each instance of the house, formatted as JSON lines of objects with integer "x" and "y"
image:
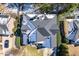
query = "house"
{"x": 40, "y": 29}
{"x": 4, "y": 32}
{"x": 77, "y": 28}
{"x": 71, "y": 28}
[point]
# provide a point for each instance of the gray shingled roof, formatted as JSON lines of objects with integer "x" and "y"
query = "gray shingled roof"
{"x": 25, "y": 15}
{"x": 77, "y": 34}
{"x": 4, "y": 30}
{"x": 25, "y": 28}
{"x": 77, "y": 23}
{"x": 41, "y": 23}
{"x": 77, "y": 30}
{"x": 4, "y": 19}
{"x": 43, "y": 31}
{"x": 54, "y": 27}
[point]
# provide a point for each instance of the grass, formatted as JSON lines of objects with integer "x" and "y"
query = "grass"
{"x": 58, "y": 39}
{"x": 18, "y": 41}
{"x": 33, "y": 51}
{"x": 30, "y": 51}
{"x": 26, "y": 51}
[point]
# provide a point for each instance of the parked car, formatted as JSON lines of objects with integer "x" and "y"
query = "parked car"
{"x": 6, "y": 43}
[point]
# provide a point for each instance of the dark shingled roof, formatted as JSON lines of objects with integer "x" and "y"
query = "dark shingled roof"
{"x": 41, "y": 23}
{"x": 43, "y": 32}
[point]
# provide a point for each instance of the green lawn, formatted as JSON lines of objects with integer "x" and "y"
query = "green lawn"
{"x": 18, "y": 41}
{"x": 58, "y": 39}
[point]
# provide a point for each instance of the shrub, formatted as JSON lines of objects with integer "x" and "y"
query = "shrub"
{"x": 17, "y": 42}
{"x": 65, "y": 40}
{"x": 58, "y": 39}
{"x": 63, "y": 50}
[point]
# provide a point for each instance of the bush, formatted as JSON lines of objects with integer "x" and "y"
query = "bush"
{"x": 65, "y": 40}
{"x": 15, "y": 24}
{"x": 17, "y": 42}
{"x": 63, "y": 50}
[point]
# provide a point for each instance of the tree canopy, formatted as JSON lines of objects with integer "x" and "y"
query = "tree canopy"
{"x": 44, "y": 8}
{"x": 68, "y": 10}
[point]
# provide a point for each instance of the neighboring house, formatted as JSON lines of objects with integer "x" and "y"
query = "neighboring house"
{"x": 3, "y": 30}
{"x": 72, "y": 28}
{"x": 77, "y": 28}
{"x": 40, "y": 29}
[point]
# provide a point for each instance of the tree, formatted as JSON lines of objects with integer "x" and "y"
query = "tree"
{"x": 63, "y": 50}
{"x": 45, "y": 8}
{"x": 68, "y": 10}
